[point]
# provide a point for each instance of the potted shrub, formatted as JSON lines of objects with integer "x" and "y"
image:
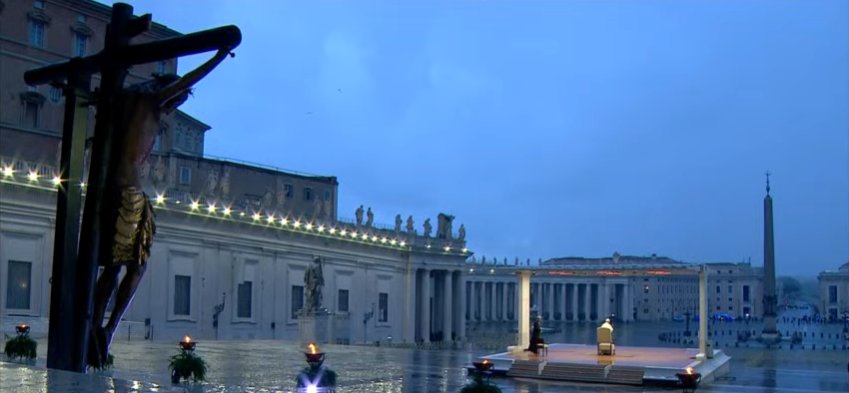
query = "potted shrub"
{"x": 22, "y": 346}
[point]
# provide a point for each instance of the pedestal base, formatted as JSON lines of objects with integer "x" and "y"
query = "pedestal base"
{"x": 316, "y": 328}
{"x": 769, "y": 338}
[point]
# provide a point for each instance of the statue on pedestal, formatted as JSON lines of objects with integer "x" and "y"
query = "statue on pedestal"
{"x": 443, "y": 228}
{"x": 398, "y": 224}
{"x": 461, "y": 233}
{"x": 313, "y": 282}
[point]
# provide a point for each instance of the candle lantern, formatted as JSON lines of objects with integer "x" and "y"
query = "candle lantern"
{"x": 689, "y": 379}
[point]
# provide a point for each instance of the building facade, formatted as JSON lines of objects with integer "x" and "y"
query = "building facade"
{"x": 834, "y": 293}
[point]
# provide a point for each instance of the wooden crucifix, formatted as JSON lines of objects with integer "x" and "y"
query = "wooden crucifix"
{"x": 117, "y": 223}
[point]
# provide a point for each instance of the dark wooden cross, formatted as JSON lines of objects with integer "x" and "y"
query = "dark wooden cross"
{"x": 76, "y": 249}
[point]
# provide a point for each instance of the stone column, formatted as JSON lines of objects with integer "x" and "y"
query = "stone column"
{"x": 599, "y": 306}
{"x": 523, "y": 309}
{"x": 504, "y": 301}
{"x": 587, "y": 300}
{"x": 550, "y": 296}
{"x": 461, "y": 309}
{"x": 703, "y": 313}
{"x": 447, "y": 307}
{"x": 574, "y": 293}
{"x": 425, "y": 303}
{"x": 409, "y": 326}
{"x": 490, "y": 302}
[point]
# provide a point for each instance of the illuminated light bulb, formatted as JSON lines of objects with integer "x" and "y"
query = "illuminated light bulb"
{"x": 321, "y": 228}
{"x": 195, "y": 205}
{"x": 82, "y": 184}
{"x": 256, "y": 216}
{"x": 270, "y": 219}
{"x": 332, "y": 231}
{"x": 383, "y": 240}
{"x": 241, "y": 214}
{"x": 403, "y": 243}
{"x": 427, "y": 246}
{"x": 374, "y": 238}
{"x": 465, "y": 250}
{"x": 471, "y": 270}
{"x": 8, "y": 171}
{"x": 343, "y": 233}
{"x": 354, "y": 235}
{"x": 56, "y": 180}
{"x": 284, "y": 221}
{"x": 447, "y": 248}
{"x": 227, "y": 211}
{"x": 364, "y": 236}
{"x": 160, "y": 199}
{"x": 211, "y": 208}
{"x": 492, "y": 270}
{"x": 296, "y": 224}
{"x": 308, "y": 226}
{"x": 393, "y": 242}
{"x": 33, "y": 176}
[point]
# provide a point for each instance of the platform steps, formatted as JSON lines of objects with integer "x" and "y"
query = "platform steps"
{"x": 593, "y": 373}
{"x": 525, "y": 368}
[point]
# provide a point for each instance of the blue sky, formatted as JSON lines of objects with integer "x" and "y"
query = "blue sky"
{"x": 551, "y": 128}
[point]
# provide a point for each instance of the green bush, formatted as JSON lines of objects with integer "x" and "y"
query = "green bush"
{"x": 21, "y": 346}
{"x": 187, "y": 364}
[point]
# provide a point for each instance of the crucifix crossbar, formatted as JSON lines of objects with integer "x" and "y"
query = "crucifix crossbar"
{"x": 77, "y": 248}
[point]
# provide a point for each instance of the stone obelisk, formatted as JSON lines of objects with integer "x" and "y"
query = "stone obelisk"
{"x": 770, "y": 333}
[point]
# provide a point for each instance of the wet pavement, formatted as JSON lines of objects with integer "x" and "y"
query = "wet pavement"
{"x": 271, "y": 366}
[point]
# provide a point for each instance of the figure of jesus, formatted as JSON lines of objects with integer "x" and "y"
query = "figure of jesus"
{"x": 128, "y": 211}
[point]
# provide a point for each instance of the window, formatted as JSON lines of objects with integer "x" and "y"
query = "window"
{"x": 18, "y": 285}
{"x": 745, "y": 293}
{"x": 182, "y": 295}
{"x": 289, "y": 189}
{"x": 645, "y": 289}
{"x": 307, "y": 194}
{"x": 297, "y": 300}
{"x": 245, "y": 290}
{"x": 36, "y": 33}
{"x": 383, "y": 310}
{"x": 185, "y": 175}
{"x": 327, "y": 195}
{"x": 55, "y": 94}
{"x": 80, "y": 44}
{"x": 730, "y": 289}
{"x": 718, "y": 289}
{"x": 30, "y": 114}
{"x": 342, "y": 303}
{"x": 832, "y": 293}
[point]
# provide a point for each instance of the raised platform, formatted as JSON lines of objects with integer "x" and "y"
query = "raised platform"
{"x": 630, "y": 365}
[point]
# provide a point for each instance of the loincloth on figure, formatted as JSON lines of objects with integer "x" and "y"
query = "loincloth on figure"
{"x": 134, "y": 228}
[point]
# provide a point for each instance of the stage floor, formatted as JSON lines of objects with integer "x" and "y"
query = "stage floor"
{"x": 658, "y": 364}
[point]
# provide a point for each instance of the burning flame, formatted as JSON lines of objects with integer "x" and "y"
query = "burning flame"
{"x": 22, "y": 326}
{"x": 313, "y": 348}
{"x": 689, "y": 370}
{"x": 187, "y": 339}
{"x": 486, "y": 361}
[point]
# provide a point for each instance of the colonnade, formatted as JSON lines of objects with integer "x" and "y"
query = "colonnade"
{"x": 438, "y": 305}
{"x": 490, "y": 300}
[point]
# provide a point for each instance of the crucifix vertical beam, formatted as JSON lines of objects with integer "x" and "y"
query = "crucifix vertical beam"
{"x": 68, "y": 203}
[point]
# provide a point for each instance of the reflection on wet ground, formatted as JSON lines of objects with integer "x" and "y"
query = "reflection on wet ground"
{"x": 271, "y": 366}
